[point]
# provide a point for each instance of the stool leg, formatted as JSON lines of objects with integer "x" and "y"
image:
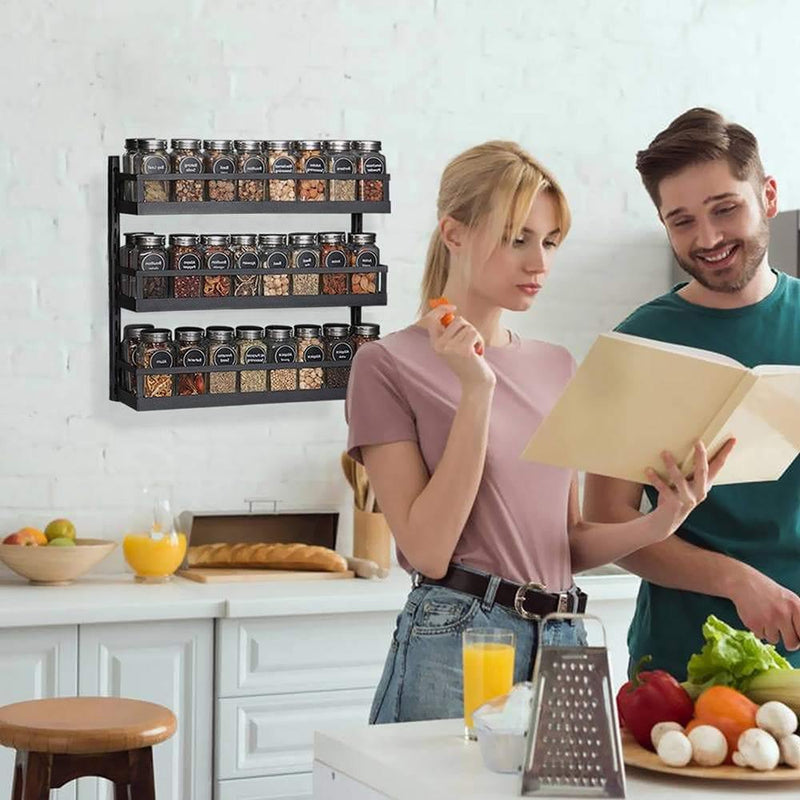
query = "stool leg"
{"x": 19, "y": 766}
{"x": 32, "y": 776}
{"x": 142, "y": 781}
{"x": 122, "y": 791}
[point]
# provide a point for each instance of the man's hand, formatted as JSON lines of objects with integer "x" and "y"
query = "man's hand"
{"x": 769, "y": 610}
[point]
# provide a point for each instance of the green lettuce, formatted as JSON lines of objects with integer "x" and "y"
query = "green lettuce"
{"x": 731, "y": 657}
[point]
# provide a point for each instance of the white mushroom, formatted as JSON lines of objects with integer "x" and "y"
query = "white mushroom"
{"x": 738, "y": 759}
{"x": 790, "y": 750}
{"x": 660, "y": 728}
{"x": 758, "y": 750}
{"x": 709, "y": 746}
{"x": 675, "y": 749}
{"x": 776, "y": 718}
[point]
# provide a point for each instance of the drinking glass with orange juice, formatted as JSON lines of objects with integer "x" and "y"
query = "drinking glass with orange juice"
{"x": 488, "y": 662}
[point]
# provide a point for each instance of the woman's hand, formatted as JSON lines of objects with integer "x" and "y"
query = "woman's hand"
{"x": 679, "y": 498}
{"x": 456, "y": 345}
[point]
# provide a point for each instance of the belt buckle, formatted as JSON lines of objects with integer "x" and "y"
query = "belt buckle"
{"x": 564, "y": 604}
{"x": 519, "y": 599}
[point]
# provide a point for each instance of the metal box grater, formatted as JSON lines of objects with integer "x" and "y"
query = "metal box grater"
{"x": 573, "y": 740}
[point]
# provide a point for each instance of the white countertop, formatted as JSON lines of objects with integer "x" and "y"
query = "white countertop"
{"x": 432, "y": 761}
{"x": 118, "y": 598}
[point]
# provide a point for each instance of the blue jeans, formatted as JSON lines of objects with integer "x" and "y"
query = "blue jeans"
{"x": 422, "y": 677}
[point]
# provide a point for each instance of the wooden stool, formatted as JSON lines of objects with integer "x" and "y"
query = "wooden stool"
{"x": 66, "y": 738}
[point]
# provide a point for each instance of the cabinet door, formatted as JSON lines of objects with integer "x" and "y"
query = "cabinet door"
{"x": 170, "y": 663}
{"x": 36, "y": 663}
{"x": 278, "y": 787}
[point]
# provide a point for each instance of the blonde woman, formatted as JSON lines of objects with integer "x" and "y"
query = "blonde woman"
{"x": 492, "y": 541}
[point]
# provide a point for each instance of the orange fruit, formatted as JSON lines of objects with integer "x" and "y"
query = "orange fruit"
{"x": 35, "y": 534}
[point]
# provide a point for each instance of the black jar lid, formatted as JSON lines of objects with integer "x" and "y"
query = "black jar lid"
{"x": 272, "y": 239}
{"x": 372, "y": 145}
{"x": 278, "y": 333}
{"x": 249, "y": 332}
{"x": 361, "y": 238}
{"x": 218, "y": 144}
{"x": 336, "y": 330}
{"x": 367, "y": 329}
{"x": 249, "y": 145}
{"x": 247, "y": 239}
{"x": 186, "y": 144}
{"x": 184, "y": 239}
{"x": 303, "y": 239}
{"x": 215, "y": 239}
{"x": 338, "y": 145}
{"x": 219, "y": 333}
{"x": 132, "y": 144}
{"x": 187, "y": 333}
{"x": 134, "y": 331}
{"x": 152, "y": 145}
{"x": 157, "y": 335}
{"x": 332, "y": 237}
{"x": 307, "y": 331}
{"x": 149, "y": 240}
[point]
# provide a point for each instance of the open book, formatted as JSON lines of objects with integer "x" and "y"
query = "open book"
{"x": 631, "y": 398}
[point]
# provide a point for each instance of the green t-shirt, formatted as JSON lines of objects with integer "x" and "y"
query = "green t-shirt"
{"x": 756, "y": 523}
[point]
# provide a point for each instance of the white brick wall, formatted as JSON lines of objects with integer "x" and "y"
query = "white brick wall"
{"x": 581, "y": 84}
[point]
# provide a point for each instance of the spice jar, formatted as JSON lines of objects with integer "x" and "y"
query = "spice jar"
{"x": 151, "y": 159}
{"x": 370, "y": 162}
{"x": 156, "y": 351}
{"x": 220, "y": 160}
{"x": 333, "y": 255}
{"x": 127, "y": 260}
{"x": 221, "y": 353}
{"x": 128, "y": 166}
{"x": 131, "y": 336}
{"x": 341, "y": 161}
{"x": 251, "y": 350}
{"x": 192, "y": 352}
{"x": 186, "y": 255}
{"x": 281, "y": 349}
{"x": 364, "y": 333}
{"x": 281, "y": 159}
{"x": 250, "y": 160}
{"x": 311, "y": 162}
{"x": 338, "y": 348}
{"x": 364, "y": 254}
{"x": 151, "y": 256}
{"x": 305, "y": 255}
{"x": 274, "y": 254}
{"x": 310, "y": 349}
{"x": 245, "y": 258}
{"x": 217, "y": 255}
{"x": 187, "y": 159}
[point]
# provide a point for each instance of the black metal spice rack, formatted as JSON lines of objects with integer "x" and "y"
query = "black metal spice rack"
{"x": 117, "y": 301}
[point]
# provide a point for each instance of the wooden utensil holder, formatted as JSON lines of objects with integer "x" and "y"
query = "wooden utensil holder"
{"x": 372, "y": 538}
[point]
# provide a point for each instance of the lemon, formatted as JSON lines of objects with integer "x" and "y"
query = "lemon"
{"x": 61, "y": 541}
{"x": 60, "y": 529}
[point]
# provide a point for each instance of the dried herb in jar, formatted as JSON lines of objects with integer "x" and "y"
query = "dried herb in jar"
{"x": 151, "y": 159}
{"x": 245, "y": 258}
{"x": 221, "y": 353}
{"x": 251, "y": 350}
{"x": 217, "y": 255}
{"x": 192, "y": 352}
{"x": 341, "y": 162}
{"x": 156, "y": 351}
{"x": 281, "y": 349}
{"x": 305, "y": 255}
{"x": 131, "y": 336}
{"x": 151, "y": 256}
{"x": 187, "y": 159}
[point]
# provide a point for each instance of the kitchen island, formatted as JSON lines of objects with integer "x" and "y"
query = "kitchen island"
{"x": 433, "y": 761}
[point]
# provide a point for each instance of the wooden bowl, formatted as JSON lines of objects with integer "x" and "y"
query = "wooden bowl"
{"x": 55, "y": 566}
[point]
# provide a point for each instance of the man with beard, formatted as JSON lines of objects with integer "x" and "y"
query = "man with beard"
{"x": 737, "y": 555}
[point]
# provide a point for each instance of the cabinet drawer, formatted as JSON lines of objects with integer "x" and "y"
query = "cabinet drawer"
{"x": 278, "y": 787}
{"x": 281, "y": 655}
{"x": 258, "y": 736}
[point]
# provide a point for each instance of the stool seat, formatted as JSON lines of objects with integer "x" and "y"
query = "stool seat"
{"x": 83, "y": 725}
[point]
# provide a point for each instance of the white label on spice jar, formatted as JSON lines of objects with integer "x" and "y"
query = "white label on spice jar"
{"x": 284, "y": 354}
{"x": 283, "y": 164}
{"x": 306, "y": 259}
{"x": 219, "y": 261}
{"x": 342, "y": 351}
{"x": 344, "y": 166}
{"x": 253, "y": 166}
{"x": 193, "y": 357}
{"x": 154, "y": 165}
{"x": 190, "y": 165}
{"x": 224, "y": 166}
{"x": 335, "y": 259}
{"x": 255, "y": 355}
{"x": 373, "y": 166}
{"x": 150, "y": 262}
{"x": 224, "y": 356}
{"x": 188, "y": 261}
{"x": 161, "y": 359}
{"x": 277, "y": 260}
{"x": 366, "y": 259}
{"x": 314, "y": 164}
{"x": 313, "y": 353}
{"x": 247, "y": 261}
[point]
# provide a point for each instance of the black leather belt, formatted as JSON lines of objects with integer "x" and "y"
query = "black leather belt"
{"x": 529, "y": 600}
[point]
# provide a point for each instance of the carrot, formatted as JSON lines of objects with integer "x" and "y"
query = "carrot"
{"x": 448, "y": 317}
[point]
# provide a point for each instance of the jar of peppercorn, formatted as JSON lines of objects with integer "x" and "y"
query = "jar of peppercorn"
{"x": 281, "y": 349}
{"x": 192, "y": 352}
{"x": 338, "y": 348}
{"x": 364, "y": 333}
{"x": 305, "y": 255}
{"x": 216, "y": 255}
{"x": 186, "y": 255}
{"x": 333, "y": 255}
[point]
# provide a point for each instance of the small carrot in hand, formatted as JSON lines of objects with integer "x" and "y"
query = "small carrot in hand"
{"x": 448, "y": 317}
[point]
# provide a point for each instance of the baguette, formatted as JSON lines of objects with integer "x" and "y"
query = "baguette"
{"x": 270, "y": 556}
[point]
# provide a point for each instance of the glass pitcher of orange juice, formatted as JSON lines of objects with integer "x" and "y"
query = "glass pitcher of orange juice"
{"x": 154, "y": 556}
{"x": 488, "y": 656}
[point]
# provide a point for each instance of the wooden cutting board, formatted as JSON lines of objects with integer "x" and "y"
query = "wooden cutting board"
{"x": 218, "y": 575}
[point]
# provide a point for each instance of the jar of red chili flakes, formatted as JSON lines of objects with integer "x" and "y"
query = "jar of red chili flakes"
{"x": 192, "y": 352}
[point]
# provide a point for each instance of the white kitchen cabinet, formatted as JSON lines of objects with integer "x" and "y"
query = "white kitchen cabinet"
{"x": 278, "y": 787}
{"x": 36, "y": 663}
{"x": 165, "y": 662}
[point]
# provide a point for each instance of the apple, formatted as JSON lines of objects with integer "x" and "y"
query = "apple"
{"x": 24, "y": 538}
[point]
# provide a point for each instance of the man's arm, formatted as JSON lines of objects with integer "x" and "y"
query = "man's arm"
{"x": 768, "y": 609}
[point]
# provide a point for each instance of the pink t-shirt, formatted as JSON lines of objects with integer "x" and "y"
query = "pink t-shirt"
{"x": 401, "y": 390}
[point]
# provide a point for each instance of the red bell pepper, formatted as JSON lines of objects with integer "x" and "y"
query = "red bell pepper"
{"x": 652, "y": 697}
